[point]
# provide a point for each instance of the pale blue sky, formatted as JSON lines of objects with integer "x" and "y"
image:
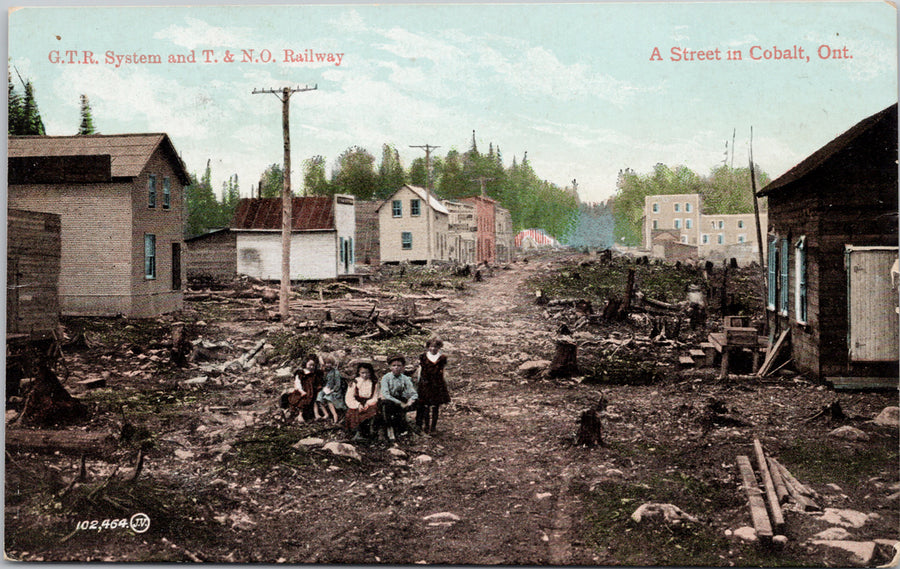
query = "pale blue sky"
{"x": 571, "y": 84}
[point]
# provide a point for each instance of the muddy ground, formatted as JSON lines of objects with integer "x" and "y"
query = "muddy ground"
{"x": 501, "y": 481}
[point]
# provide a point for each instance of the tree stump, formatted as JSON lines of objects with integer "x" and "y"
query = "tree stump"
{"x": 565, "y": 362}
{"x": 48, "y": 402}
{"x": 590, "y": 432}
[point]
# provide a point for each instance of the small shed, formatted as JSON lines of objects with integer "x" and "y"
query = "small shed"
{"x": 212, "y": 256}
{"x": 832, "y": 240}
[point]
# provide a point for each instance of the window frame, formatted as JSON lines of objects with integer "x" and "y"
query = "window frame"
{"x": 406, "y": 240}
{"x": 784, "y": 277}
{"x": 801, "y": 289}
{"x": 687, "y": 207}
{"x": 149, "y": 256}
{"x": 655, "y": 208}
{"x": 677, "y": 223}
{"x": 167, "y": 193}
{"x": 397, "y": 208}
{"x": 677, "y": 207}
{"x": 688, "y": 223}
{"x": 151, "y": 191}
{"x": 415, "y": 207}
{"x": 772, "y": 296}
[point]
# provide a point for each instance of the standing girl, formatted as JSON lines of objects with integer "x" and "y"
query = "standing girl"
{"x": 432, "y": 387}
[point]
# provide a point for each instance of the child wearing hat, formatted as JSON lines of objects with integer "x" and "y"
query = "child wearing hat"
{"x": 397, "y": 397}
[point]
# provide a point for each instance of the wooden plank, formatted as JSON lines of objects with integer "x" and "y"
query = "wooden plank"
{"x": 789, "y": 478}
{"x": 758, "y": 511}
{"x": 79, "y": 442}
{"x": 773, "y": 353}
{"x": 771, "y": 495}
{"x": 863, "y": 382}
{"x": 778, "y": 480}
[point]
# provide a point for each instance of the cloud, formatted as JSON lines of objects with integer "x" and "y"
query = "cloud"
{"x": 198, "y": 33}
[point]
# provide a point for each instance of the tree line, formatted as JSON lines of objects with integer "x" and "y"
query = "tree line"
{"x": 532, "y": 202}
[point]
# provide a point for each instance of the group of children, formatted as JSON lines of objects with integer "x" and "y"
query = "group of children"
{"x": 371, "y": 406}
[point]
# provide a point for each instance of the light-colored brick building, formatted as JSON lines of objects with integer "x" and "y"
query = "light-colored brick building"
{"x": 120, "y": 201}
{"x": 715, "y": 237}
{"x": 413, "y": 227}
{"x": 461, "y": 231}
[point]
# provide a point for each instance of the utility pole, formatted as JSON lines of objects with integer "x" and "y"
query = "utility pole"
{"x": 286, "y": 197}
{"x": 428, "y": 148}
{"x": 481, "y": 180}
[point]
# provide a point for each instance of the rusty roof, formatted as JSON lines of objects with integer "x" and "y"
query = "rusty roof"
{"x": 308, "y": 214}
{"x": 129, "y": 153}
{"x": 887, "y": 117}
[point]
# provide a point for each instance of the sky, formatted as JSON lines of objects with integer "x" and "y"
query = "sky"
{"x": 586, "y": 89}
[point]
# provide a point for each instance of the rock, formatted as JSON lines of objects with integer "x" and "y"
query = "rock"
{"x": 780, "y": 540}
{"x": 194, "y": 381}
{"x": 746, "y": 533}
{"x": 308, "y": 442}
{"x": 93, "y": 383}
{"x": 183, "y": 454}
{"x": 423, "y": 459}
{"x": 845, "y": 518}
{"x": 889, "y": 417}
{"x": 342, "y": 449}
{"x": 849, "y": 433}
{"x": 532, "y": 368}
{"x": 862, "y": 551}
{"x": 671, "y": 513}
{"x": 394, "y": 451}
{"x": 283, "y": 372}
{"x": 543, "y": 495}
{"x": 834, "y": 533}
{"x": 11, "y": 415}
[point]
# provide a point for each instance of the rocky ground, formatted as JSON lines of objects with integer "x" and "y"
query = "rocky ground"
{"x": 501, "y": 482}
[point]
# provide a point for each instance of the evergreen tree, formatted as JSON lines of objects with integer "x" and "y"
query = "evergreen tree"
{"x": 87, "y": 119}
{"x": 390, "y": 172}
{"x": 271, "y": 183}
{"x": 31, "y": 116}
{"x": 314, "y": 181}
{"x": 203, "y": 213}
{"x": 14, "y": 106}
{"x": 231, "y": 195}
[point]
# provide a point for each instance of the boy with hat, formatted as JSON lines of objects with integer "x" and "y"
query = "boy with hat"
{"x": 397, "y": 396}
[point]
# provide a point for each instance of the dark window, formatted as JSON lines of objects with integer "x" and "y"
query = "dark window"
{"x": 150, "y": 256}
{"x": 406, "y": 240}
{"x": 167, "y": 193}
{"x": 151, "y": 191}
{"x": 397, "y": 208}
{"x": 415, "y": 207}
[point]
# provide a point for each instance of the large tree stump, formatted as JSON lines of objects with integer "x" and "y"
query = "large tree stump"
{"x": 565, "y": 362}
{"x": 48, "y": 402}
{"x": 590, "y": 432}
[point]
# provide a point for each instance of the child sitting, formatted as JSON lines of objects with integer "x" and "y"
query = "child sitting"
{"x": 397, "y": 395}
{"x": 362, "y": 402}
{"x": 331, "y": 397}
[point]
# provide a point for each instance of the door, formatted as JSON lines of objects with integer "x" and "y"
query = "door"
{"x": 176, "y": 266}
{"x": 872, "y": 304}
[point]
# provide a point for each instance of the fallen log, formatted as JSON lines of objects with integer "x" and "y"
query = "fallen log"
{"x": 780, "y": 488}
{"x": 758, "y": 512}
{"x": 74, "y": 442}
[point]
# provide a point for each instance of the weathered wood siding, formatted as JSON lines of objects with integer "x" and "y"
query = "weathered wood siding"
{"x": 313, "y": 255}
{"x": 32, "y": 273}
{"x": 212, "y": 256}
{"x": 367, "y": 241}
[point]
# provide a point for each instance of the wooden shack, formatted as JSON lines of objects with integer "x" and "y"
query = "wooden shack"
{"x": 32, "y": 274}
{"x": 832, "y": 234}
{"x": 212, "y": 256}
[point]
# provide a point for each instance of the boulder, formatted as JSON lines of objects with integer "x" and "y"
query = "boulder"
{"x": 849, "y": 433}
{"x": 834, "y": 533}
{"x": 342, "y": 449}
{"x": 672, "y": 514}
{"x": 862, "y": 551}
{"x": 889, "y": 417}
{"x": 308, "y": 442}
{"x": 533, "y": 367}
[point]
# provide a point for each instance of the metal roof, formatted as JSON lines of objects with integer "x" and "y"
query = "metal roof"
{"x": 129, "y": 153}
{"x": 307, "y": 214}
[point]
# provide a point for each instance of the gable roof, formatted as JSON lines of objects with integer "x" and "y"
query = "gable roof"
{"x": 128, "y": 153}
{"x": 436, "y": 205}
{"x": 307, "y": 214}
{"x": 883, "y": 119}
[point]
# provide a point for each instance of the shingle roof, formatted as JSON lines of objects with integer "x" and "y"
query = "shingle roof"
{"x": 888, "y": 116}
{"x": 307, "y": 214}
{"x": 129, "y": 153}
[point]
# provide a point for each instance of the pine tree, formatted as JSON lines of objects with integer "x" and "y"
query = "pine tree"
{"x": 31, "y": 116}
{"x": 14, "y": 106}
{"x": 87, "y": 119}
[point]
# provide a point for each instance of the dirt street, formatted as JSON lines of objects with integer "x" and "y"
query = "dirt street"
{"x": 500, "y": 482}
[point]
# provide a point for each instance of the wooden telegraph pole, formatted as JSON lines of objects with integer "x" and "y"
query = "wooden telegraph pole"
{"x": 286, "y": 197}
{"x": 428, "y": 148}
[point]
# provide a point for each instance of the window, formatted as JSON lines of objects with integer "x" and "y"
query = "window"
{"x": 684, "y": 238}
{"x": 151, "y": 191}
{"x": 415, "y": 207}
{"x": 656, "y": 208}
{"x": 742, "y": 238}
{"x": 800, "y": 288}
{"x": 721, "y": 225}
{"x": 167, "y": 193}
{"x": 773, "y": 273}
{"x": 677, "y": 207}
{"x": 704, "y": 238}
{"x": 406, "y": 240}
{"x": 397, "y": 208}
{"x": 677, "y": 224}
{"x": 720, "y": 239}
{"x": 783, "y": 304}
{"x": 149, "y": 256}
{"x": 687, "y": 207}
{"x": 688, "y": 223}
{"x": 740, "y": 224}
{"x": 655, "y": 224}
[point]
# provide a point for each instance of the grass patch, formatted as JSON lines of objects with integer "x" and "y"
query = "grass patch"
{"x": 293, "y": 346}
{"x": 844, "y": 465}
{"x": 270, "y": 446}
{"x": 138, "y": 333}
{"x": 406, "y": 344}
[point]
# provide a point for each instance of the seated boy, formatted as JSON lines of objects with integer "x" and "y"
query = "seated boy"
{"x": 397, "y": 397}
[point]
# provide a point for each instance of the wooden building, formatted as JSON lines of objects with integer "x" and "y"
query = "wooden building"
{"x": 32, "y": 274}
{"x": 368, "y": 249}
{"x": 119, "y": 199}
{"x": 323, "y": 231}
{"x": 486, "y": 232}
{"x": 832, "y": 233}
{"x": 413, "y": 227}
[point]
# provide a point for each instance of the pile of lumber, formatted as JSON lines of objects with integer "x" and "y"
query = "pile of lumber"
{"x": 777, "y": 487}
